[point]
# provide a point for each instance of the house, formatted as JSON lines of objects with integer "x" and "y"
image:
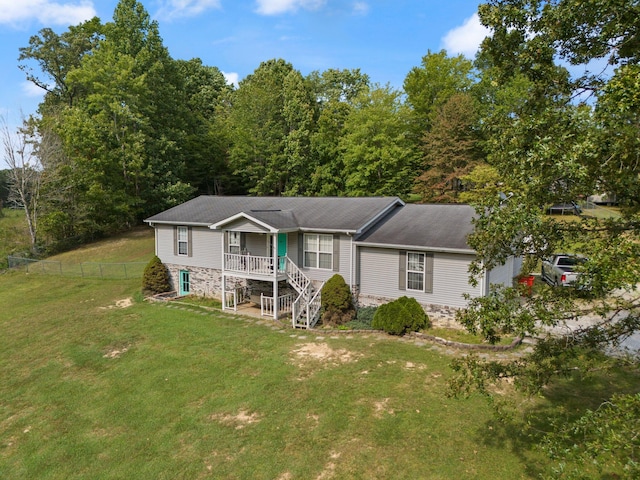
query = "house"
{"x": 278, "y": 251}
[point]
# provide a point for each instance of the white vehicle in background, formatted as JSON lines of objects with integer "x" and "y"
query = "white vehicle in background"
{"x": 559, "y": 269}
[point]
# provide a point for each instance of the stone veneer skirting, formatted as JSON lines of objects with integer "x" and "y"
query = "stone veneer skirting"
{"x": 206, "y": 282}
{"x": 440, "y": 315}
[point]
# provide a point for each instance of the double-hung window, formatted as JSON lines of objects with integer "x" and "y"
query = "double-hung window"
{"x": 234, "y": 242}
{"x": 183, "y": 240}
{"x": 415, "y": 271}
{"x": 318, "y": 251}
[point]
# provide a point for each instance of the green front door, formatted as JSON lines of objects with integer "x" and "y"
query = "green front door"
{"x": 185, "y": 283}
{"x": 282, "y": 250}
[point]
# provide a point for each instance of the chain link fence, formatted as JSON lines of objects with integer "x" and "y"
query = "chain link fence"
{"x": 85, "y": 269}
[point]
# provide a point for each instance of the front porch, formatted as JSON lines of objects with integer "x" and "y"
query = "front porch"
{"x": 253, "y": 266}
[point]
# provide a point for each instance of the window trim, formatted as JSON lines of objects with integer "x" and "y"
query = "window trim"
{"x": 423, "y": 264}
{"x": 185, "y": 240}
{"x": 317, "y": 251}
{"x": 233, "y": 235}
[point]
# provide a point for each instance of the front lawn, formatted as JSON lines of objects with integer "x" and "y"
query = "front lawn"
{"x": 99, "y": 384}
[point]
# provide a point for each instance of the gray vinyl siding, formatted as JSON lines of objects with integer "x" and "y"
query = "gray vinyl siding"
{"x": 379, "y": 277}
{"x": 256, "y": 244}
{"x": 344, "y": 245}
{"x": 206, "y": 247}
{"x": 504, "y": 274}
{"x": 244, "y": 225}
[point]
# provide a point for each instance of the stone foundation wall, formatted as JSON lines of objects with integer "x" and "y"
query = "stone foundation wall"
{"x": 206, "y": 282}
{"x": 440, "y": 315}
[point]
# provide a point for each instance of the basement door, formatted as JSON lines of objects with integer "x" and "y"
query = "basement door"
{"x": 185, "y": 283}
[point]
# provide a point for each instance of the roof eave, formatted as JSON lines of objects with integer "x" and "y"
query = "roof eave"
{"x": 467, "y": 251}
{"x": 233, "y": 218}
{"x": 380, "y": 215}
{"x": 172, "y": 222}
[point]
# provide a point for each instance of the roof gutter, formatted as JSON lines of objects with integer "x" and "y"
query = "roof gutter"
{"x": 165, "y": 222}
{"x": 417, "y": 247}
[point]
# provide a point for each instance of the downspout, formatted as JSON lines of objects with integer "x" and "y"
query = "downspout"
{"x": 223, "y": 286}
{"x": 351, "y": 266}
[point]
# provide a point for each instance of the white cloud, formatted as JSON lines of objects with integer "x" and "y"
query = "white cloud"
{"x": 46, "y": 12}
{"x": 360, "y": 8}
{"x": 185, "y": 8}
{"x": 466, "y": 39}
{"x": 231, "y": 78}
{"x": 274, "y": 7}
{"x": 30, "y": 89}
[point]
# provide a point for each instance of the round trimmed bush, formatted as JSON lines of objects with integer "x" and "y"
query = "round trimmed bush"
{"x": 155, "y": 278}
{"x": 337, "y": 302}
{"x": 400, "y": 316}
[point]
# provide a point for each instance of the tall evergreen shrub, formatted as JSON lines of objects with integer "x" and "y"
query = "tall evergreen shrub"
{"x": 337, "y": 302}
{"x": 155, "y": 278}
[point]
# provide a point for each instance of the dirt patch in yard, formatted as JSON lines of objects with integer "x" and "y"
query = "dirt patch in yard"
{"x": 238, "y": 421}
{"x": 115, "y": 352}
{"x": 323, "y": 353}
{"x": 124, "y": 303}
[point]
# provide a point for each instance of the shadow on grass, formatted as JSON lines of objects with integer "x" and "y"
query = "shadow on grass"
{"x": 521, "y": 428}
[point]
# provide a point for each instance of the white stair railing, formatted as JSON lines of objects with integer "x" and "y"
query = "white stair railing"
{"x": 296, "y": 277}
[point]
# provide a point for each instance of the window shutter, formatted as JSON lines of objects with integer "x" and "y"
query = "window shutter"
{"x": 300, "y": 250}
{"x": 243, "y": 243}
{"x": 428, "y": 272}
{"x": 175, "y": 240}
{"x": 189, "y": 243}
{"x": 402, "y": 270}
{"x": 336, "y": 253}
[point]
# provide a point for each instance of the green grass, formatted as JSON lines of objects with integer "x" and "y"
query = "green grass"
{"x": 462, "y": 336}
{"x": 134, "y": 246}
{"x": 14, "y": 235}
{"x": 94, "y": 387}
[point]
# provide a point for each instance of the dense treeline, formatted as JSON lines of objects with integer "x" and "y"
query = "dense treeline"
{"x": 132, "y": 131}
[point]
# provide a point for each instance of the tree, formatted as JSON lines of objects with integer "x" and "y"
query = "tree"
{"x": 335, "y": 93}
{"x": 429, "y": 86}
{"x": 258, "y": 129}
{"x": 450, "y": 150}
{"x": 379, "y": 156}
{"x": 206, "y": 146}
{"x": 123, "y": 135}
{"x": 57, "y": 55}
{"x": 4, "y": 189}
{"x": 551, "y": 146}
{"x": 25, "y": 173}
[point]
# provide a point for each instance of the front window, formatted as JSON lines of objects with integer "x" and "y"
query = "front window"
{"x": 415, "y": 271}
{"x": 318, "y": 251}
{"x": 183, "y": 241}
{"x": 234, "y": 242}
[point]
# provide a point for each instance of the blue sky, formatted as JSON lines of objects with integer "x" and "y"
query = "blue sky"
{"x": 383, "y": 38}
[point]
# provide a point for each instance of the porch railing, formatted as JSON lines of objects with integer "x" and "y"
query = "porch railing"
{"x": 285, "y": 303}
{"x": 249, "y": 264}
{"x": 296, "y": 277}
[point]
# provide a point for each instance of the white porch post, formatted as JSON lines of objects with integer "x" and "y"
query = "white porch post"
{"x": 274, "y": 256}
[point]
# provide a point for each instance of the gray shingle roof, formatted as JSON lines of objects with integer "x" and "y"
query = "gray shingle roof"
{"x": 430, "y": 226}
{"x": 350, "y": 214}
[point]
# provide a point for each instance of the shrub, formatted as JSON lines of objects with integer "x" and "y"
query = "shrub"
{"x": 155, "y": 278}
{"x": 337, "y": 302}
{"x": 364, "y": 315}
{"x": 400, "y": 316}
